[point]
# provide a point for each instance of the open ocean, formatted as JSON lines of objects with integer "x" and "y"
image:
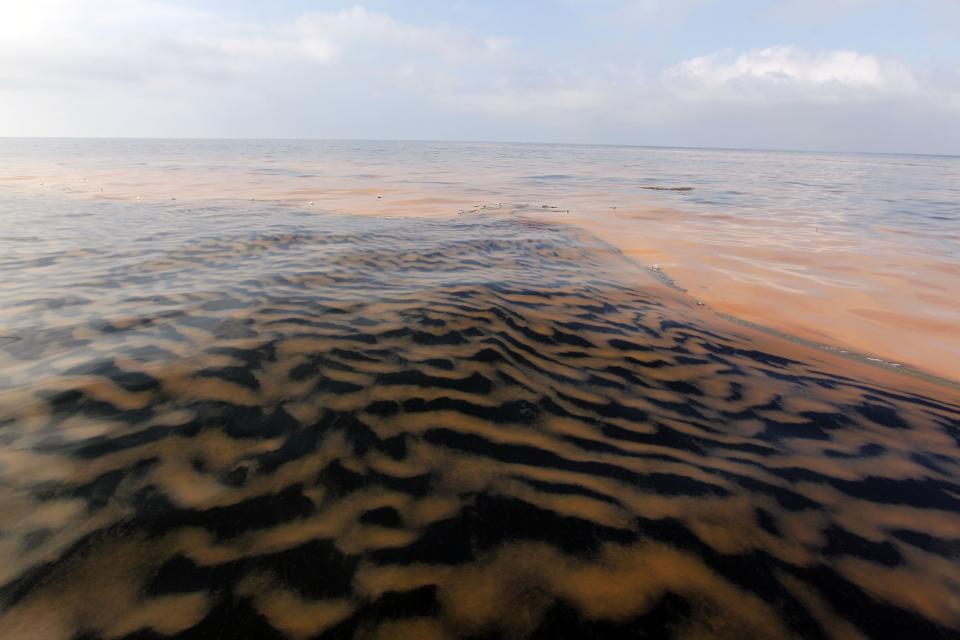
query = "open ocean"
{"x": 293, "y": 389}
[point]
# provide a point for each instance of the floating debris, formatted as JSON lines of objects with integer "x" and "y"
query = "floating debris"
{"x": 663, "y": 278}
{"x": 477, "y": 208}
{"x": 517, "y": 208}
{"x": 659, "y": 188}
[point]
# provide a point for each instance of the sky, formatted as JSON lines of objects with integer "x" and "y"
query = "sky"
{"x": 856, "y": 75}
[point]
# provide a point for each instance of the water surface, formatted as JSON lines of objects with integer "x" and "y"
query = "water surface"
{"x": 854, "y": 251}
{"x": 235, "y": 419}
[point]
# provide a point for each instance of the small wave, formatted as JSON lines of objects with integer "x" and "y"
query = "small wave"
{"x": 661, "y": 188}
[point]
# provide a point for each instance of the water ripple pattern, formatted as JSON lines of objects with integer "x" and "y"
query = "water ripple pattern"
{"x": 265, "y": 423}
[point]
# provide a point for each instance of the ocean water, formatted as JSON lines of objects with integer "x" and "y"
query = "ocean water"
{"x": 327, "y": 390}
{"x": 916, "y": 193}
{"x": 858, "y": 252}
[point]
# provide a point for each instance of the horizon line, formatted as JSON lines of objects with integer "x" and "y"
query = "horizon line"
{"x": 503, "y": 142}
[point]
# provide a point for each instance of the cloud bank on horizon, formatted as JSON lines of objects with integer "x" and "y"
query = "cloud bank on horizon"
{"x": 847, "y": 74}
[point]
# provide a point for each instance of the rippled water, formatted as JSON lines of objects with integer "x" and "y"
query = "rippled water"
{"x": 855, "y": 251}
{"x": 257, "y": 420}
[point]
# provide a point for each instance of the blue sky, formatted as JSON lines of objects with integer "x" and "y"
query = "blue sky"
{"x": 874, "y": 75}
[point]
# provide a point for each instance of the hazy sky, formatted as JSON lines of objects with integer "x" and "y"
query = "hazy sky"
{"x": 803, "y": 74}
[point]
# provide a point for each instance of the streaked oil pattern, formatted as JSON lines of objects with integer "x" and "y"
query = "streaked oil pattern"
{"x": 272, "y": 423}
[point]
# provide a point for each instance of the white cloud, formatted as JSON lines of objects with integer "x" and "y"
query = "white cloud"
{"x": 359, "y": 27}
{"x": 68, "y": 42}
{"x": 788, "y": 73}
{"x": 789, "y": 97}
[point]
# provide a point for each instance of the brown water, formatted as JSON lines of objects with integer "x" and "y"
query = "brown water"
{"x": 235, "y": 419}
{"x": 857, "y": 252}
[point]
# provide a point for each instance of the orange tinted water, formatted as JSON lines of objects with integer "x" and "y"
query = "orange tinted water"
{"x": 856, "y": 252}
{"x": 235, "y": 419}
